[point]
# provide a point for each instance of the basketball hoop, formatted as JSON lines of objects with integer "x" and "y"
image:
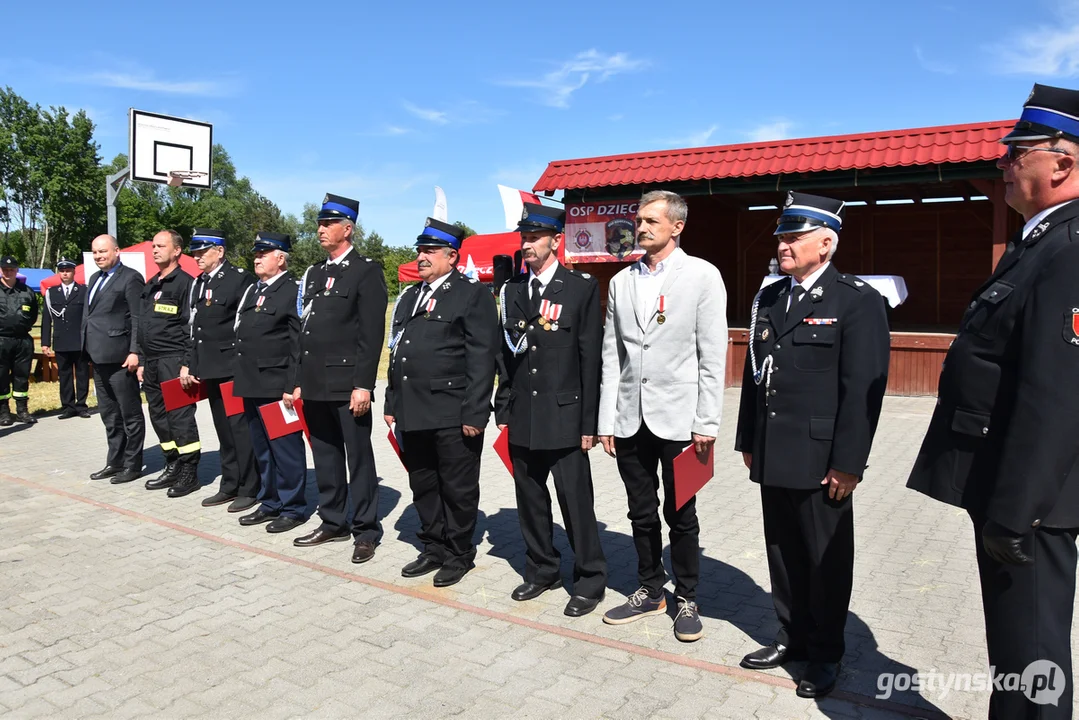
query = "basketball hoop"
{"x": 179, "y": 177}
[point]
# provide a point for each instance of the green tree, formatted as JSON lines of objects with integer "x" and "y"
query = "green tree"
{"x": 469, "y": 232}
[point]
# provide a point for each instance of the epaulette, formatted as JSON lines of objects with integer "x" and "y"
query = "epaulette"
{"x": 852, "y": 280}
{"x": 367, "y": 259}
{"x": 473, "y": 280}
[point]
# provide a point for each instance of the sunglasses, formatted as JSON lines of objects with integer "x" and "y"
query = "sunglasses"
{"x": 1012, "y": 154}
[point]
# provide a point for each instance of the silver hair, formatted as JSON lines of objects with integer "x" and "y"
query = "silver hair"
{"x": 676, "y": 204}
{"x": 830, "y": 233}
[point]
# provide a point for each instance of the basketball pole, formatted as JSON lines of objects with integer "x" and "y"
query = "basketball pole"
{"x": 113, "y": 185}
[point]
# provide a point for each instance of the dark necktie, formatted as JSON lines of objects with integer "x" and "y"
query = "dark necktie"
{"x": 536, "y": 299}
{"x": 261, "y": 286}
{"x": 796, "y": 295}
{"x": 425, "y": 292}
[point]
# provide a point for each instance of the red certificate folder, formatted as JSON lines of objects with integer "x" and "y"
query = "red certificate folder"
{"x": 233, "y": 405}
{"x": 175, "y": 396}
{"x": 690, "y": 474}
{"x": 502, "y": 447}
{"x": 298, "y": 407}
{"x": 280, "y": 421}
{"x": 396, "y": 442}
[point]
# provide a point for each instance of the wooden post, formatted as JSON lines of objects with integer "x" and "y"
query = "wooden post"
{"x": 994, "y": 190}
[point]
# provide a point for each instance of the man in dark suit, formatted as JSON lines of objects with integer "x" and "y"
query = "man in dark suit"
{"x": 444, "y": 341}
{"x": 548, "y": 396}
{"x": 344, "y": 322}
{"x": 215, "y": 298}
{"x": 61, "y": 328}
{"x": 267, "y": 363}
{"x": 1002, "y": 442}
{"x": 816, "y": 372}
{"x": 109, "y": 338}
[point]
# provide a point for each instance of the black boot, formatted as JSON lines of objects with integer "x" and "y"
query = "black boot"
{"x": 22, "y": 412}
{"x": 167, "y": 478}
{"x": 5, "y": 414}
{"x": 187, "y": 480}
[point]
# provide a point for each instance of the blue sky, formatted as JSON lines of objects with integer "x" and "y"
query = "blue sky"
{"x": 383, "y": 101}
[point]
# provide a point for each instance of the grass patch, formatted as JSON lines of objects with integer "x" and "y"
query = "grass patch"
{"x": 45, "y": 397}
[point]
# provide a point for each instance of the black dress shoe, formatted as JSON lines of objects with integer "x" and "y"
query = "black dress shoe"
{"x": 320, "y": 536}
{"x": 364, "y": 551}
{"x": 106, "y": 472}
{"x": 84, "y": 413}
{"x": 69, "y": 413}
{"x": 284, "y": 524}
{"x": 241, "y": 503}
{"x": 531, "y": 590}
{"x": 187, "y": 481}
{"x": 770, "y": 656}
{"x": 420, "y": 566}
{"x": 257, "y": 518}
{"x": 819, "y": 679}
{"x": 578, "y": 606}
{"x": 125, "y": 476}
{"x": 451, "y": 575}
{"x": 218, "y": 498}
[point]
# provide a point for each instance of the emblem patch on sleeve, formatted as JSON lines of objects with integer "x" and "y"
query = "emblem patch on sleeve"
{"x": 1071, "y": 326}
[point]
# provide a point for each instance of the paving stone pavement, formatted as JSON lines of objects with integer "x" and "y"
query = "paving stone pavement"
{"x": 116, "y": 602}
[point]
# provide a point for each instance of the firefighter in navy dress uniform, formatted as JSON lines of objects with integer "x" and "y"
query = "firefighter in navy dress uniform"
{"x": 548, "y": 395}
{"x": 344, "y": 322}
{"x": 61, "y": 337}
{"x": 815, "y": 375}
{"x": 1003, "y": 442}
{"x": 215, "y": 296}
{"x": 444, "y": 339}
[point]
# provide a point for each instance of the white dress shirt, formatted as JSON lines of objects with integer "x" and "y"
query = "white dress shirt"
{"x": 649, "y": 283}
{"x": 544, "y": 278}
{"x": 809, "y": 281}
{"x": 433, "y": 285}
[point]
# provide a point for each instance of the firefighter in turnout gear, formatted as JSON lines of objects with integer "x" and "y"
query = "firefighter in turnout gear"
{"x": 164, "y": 340}
{"x": 18, "y": 313}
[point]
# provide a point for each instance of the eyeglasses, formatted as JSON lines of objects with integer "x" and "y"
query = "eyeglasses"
{"x": 1011, "y": 155}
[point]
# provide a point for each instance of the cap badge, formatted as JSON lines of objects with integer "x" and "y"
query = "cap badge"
{"x": 790, "y": 199}
{"x": 427, "y": 222}
{"x": 524, "y": 214}
{"x": 817, "y": 292}
{"x": 1030, "y": 96}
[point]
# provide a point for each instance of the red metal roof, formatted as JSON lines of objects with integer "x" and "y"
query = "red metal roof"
{"x": 896, "y": 148}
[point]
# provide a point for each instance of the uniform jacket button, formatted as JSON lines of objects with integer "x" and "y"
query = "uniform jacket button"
{"x": 985, "y": 431}
{"x": 778, "y": 346}
{"x": 772, "y": 414}
{"x": 644, "y": 381}
{"x": 405, "y": 377}
{"x": 534, "y": 393}
{"x": 1036, "y": 523}
{"x": 531, "y": 327}
{"x": 533, "y": 371}
{"x": 646, "y": 347}
{"x": 772, "y": 392}
{"x": 533, "y": 348}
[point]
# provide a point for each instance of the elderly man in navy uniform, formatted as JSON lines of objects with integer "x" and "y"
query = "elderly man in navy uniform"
{"x": 548, "y": 395}
{"x": 164, "y": 341}
{"x": 267, "y": 362}
{"x": 215, "y": 298}
{"x": 343, "y": 303}
{"x": 444, "y": 340}
{"x": 18, "y": 313}
{"x": 1002, "y": 442}
{"x": 61, "y": 337}
{"x": 815, "y": 374}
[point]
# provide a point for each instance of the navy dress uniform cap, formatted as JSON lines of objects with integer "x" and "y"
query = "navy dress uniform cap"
{"x": 202, "y": 238}
{"x": 9, "y": 261}
{"x": 439, "y": 234}
{"x": 272, "y": 241}
{"x": 65, "y": 264}
{"x": 803, "y": 212}
{"x": 337, "y": 207}
{"x": 1049, "y": 113}
{"x": 538, "y": 218}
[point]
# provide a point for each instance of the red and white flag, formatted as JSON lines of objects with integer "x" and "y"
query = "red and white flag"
{"x": 513, "y": 203}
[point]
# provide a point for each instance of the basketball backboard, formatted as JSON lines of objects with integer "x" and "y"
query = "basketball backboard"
{"x": 160, "y": 144}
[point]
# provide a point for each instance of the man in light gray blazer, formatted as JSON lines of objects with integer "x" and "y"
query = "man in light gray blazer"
{"x": 664, "y": 360}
